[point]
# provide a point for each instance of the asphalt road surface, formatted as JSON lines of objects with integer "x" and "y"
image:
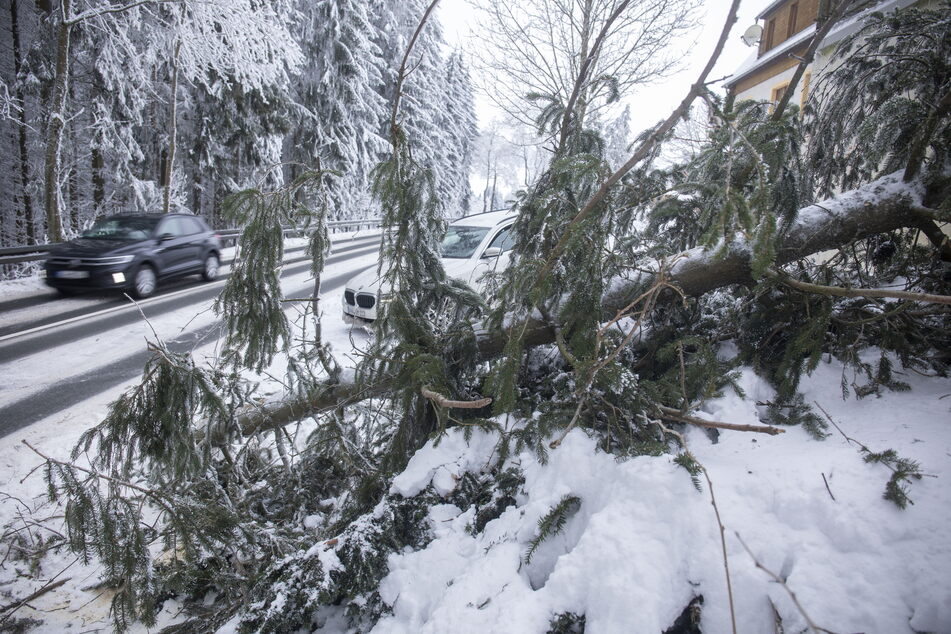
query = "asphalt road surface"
{"x": 49, "y": 332}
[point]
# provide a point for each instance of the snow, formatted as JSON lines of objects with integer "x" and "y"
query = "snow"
{"x": 460, "y": 457}
{"x": 78, "y": 602}
{"x": 645, "y": 540}
{"x": 27, "y": 376}
{"x": 890, "y": 186}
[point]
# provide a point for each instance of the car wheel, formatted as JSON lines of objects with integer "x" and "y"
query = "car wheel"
{"x": 210, "y": 270}
{"x": 143, "y": 284}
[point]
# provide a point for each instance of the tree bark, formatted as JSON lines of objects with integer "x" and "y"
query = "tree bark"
{"x": 54, "y": 130}
{"x": 98, "y": 179}
{"x": 841, "y": 291}
{"x": 919, "y": 147}
{"x": 25, "y": 218}
{"x": 878, "y": 207}
{"x": 173, "y": 125}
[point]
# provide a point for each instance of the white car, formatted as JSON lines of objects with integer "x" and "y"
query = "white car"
{"x": 473, "y": 246}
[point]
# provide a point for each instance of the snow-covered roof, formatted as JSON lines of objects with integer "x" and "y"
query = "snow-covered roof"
{"x": 752, "y": 63}
{"x": 842, "y": 30}
{"x": 772, "y": 5}
{"x": 489, "y": 219}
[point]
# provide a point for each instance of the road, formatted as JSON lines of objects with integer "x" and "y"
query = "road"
{"x": 53, "y": 356}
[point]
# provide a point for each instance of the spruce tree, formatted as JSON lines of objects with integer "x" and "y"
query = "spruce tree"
{"x": 339, "y": 110}
{"x": 458, "y": 118}
{"x": 230, "y": 499}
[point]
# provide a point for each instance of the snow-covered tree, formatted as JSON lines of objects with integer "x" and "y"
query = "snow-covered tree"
{"x": 339, "y": 105}
{"x": 599, "y": 326}
{"x": 458, "y": 119}
{"x": 617, "y": 138}
{"x": 107, "y": 89}
{"x": 426, "y": 125}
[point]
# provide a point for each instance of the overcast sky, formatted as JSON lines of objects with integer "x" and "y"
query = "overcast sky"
{"x": 652, "y": 103}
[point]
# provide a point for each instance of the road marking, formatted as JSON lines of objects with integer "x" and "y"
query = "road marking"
{"x": 132, "y": 306}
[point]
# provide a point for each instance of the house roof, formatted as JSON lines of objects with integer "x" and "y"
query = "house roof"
{"x": 772, "y": 5}
{"x": 754, "y": 63}
{"x": 846, "y": 27}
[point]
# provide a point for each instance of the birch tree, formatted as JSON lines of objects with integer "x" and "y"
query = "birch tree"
{"x": 538, "y": 49}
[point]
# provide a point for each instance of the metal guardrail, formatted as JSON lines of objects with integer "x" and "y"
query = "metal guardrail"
{"x": 37, "y": 252}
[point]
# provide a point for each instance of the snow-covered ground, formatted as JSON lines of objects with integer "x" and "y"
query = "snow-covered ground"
{"x": 79, "y": 605}
{"x": 644, "y": 540}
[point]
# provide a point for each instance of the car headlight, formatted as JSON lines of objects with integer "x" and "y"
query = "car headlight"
{"x": 113, "y": 260}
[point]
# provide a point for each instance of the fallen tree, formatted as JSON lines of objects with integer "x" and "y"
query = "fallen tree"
{"x": 884, "y": 205}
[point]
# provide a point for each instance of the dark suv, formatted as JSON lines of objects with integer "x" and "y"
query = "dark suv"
{"x": 134, "y": 252}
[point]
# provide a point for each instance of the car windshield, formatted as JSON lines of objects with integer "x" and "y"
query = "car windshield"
{"x": 461, "y": 242}
{"x": 122, "y": 229}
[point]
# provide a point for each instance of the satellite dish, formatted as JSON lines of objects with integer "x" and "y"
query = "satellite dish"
{"x": 751, "y": 36}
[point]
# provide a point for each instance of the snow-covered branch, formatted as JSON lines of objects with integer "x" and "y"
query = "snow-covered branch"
{"x": 96, "y": 12}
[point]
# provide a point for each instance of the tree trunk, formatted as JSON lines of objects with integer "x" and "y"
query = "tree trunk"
{"x": 72, "y": 180}
{"x": 98, "y": 179}
{"x": 25, "y": 215}
{"x": 173, "y": 129}
{"x": 878, "y": 207}
{"x": 54, "y": 131}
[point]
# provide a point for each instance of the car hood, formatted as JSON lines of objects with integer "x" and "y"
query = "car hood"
{"x": 368, "y": 281}
{"x": 92, "y": 247}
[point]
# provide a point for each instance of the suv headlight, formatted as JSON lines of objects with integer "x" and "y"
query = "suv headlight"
{"x": 112, "y": 261}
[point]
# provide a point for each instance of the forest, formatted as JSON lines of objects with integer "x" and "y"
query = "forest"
{"x": 733, "y": 250}
{"x": 154, "y": 106}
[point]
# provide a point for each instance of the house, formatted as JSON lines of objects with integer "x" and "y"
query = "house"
{"x": 788, "y": 28}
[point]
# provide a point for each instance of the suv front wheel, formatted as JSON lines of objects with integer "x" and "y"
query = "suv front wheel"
{"x": 210, "y": 270}
{"x": 143, "y": 284}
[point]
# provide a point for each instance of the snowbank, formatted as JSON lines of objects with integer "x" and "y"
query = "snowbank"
{"x": 645, "y": 542}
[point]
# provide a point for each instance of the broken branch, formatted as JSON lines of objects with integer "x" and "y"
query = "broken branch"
{"x": 672, "y": 414}
{"x": 878, "y": 207}
{"x": 838, "y": 291}
{"x": 442, "y": 401}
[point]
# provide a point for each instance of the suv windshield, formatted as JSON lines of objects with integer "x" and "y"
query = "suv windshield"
{"x": 461, "y": 242}
{"x": 122, "y": 229}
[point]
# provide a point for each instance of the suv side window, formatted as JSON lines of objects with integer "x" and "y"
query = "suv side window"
{"x": 173, "y": 226}
{"x": 192, "y": 226}
{"x": 504, "y": 240}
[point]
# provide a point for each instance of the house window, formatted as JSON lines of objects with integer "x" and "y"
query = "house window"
{"x": 778, "y": 93}
{"x": 793, "y": 16}
{"x": 805, "y": 90}
{"x": 770, "y": 31}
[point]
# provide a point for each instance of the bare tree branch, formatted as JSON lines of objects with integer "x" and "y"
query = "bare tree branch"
{"x": 401, "y": 77}
{"x": 792, "y": 595}
{"x": 645, "y": 148}
{"x": 838, "y": 291}
{"x": 676, "y": 415}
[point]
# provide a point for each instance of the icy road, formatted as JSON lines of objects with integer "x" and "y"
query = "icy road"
{"x": 56, "y": 353}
